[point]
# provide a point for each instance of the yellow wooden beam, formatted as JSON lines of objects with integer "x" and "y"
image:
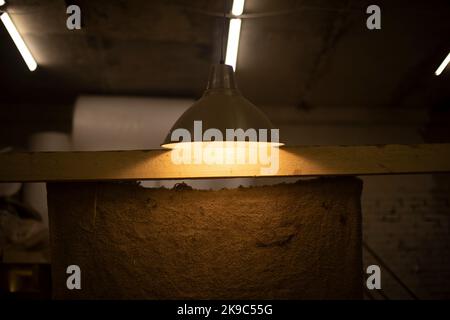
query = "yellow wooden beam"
{"x": 157, "y": 164}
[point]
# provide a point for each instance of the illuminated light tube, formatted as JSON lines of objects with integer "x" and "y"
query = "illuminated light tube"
{"x": 238, "y": 7}
{"x": 20, "y": 44}
{"x": 233, "y": 42}
{"x": 443, "y": 65}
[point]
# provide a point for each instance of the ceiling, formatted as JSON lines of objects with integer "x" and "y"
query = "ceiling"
{"x": 304, "y": 53}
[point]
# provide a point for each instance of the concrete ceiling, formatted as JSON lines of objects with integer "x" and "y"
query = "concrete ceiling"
{"x": 304, "y": 53}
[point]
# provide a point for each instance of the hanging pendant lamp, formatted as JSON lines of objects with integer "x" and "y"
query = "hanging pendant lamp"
{"x": 221, "y": 107}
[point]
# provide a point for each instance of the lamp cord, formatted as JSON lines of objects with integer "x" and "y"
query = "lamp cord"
{"x": 224, "y": 20}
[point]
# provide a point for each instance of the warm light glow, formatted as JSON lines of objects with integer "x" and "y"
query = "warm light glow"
{"x": 238, "y": 7}
{"x": 265, "y": 155}
{"x": 443, "y": 65}
{"x": 220, "y": 143}
{"x": 233, "y": 42}
{"x": 2, "y": 2}
{"x": 20, "y": 44}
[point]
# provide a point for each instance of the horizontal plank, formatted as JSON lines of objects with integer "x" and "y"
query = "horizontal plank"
{"x": 157, "y": 164}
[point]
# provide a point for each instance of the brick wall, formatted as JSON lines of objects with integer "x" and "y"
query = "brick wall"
{"x": 406, "y": 221}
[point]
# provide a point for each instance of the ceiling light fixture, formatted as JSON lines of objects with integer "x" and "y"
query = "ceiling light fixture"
{"x": 222, "y": 107}
{"x": 234, "y": 33}
{"x": 233, "y": 42}
{"x": 238, "y": 7}
{"x": 443, "y": 65}
{"x": 2, "y": 2}
{"x": 20, "y": 44}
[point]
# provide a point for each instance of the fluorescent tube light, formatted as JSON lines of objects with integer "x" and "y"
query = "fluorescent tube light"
{"x": 234, "y": 33}
{"x": 233, "y": 42}
{"x": 238, "y": 7}
{"x": 20, "y": 44}
{"x": 443, "y": 65}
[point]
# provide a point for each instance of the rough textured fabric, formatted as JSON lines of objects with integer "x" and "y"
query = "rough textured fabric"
{"x": 288, "y": 241}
